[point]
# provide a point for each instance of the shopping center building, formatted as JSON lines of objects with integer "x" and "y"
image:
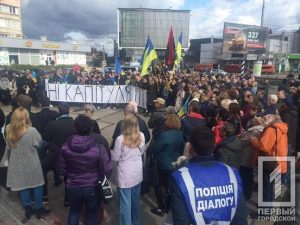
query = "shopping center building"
{"x": 38, "y": 52}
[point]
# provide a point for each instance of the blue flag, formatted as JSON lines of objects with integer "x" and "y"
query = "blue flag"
{"x": 118, "y": 69}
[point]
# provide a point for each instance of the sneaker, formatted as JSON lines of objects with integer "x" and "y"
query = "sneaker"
{"x": 158, "y": 212}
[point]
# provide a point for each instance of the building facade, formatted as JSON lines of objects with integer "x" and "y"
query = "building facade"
{"x": 136, "y": 24}
{"x": 37, "y": 52}
{"x": 283, "y": 50}
{"x": 10, "y": 19}
{"x": 204, "y": 51}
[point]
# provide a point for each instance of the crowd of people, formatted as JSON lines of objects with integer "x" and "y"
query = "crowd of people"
{"x": 207, "y": 135}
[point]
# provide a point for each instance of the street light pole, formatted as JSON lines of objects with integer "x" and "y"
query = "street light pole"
{"x": 262, "y": 14}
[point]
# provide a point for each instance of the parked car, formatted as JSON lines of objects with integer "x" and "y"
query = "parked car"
{"x": 217, "y": 71}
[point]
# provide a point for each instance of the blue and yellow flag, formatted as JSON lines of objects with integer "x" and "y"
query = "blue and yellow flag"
{"x": 178, "y": 50}
{"x": 184, "y": 108}
{"x": 118, "y": 69}
{"x": 148, "y": 56}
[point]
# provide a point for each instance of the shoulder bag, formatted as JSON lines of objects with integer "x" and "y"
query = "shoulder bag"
{"x": 104, "y": 189}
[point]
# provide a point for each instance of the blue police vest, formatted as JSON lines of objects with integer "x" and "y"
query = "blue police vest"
{"x": 210, "y": 192}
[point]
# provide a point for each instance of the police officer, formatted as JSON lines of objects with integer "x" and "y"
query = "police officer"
{"x": 206, "y": 191}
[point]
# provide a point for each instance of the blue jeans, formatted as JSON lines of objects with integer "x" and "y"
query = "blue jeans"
{"x": 88, "y": 197}
{"x": 38, "y": 197}
{"x": 130, "y": 208}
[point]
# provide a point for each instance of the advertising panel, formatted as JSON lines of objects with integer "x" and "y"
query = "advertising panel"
{"x": 240, "y": 38}
{"x": 134, "y": 26}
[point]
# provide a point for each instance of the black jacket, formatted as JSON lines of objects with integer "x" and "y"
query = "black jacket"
{"x": 102, "y": 140}
{"x": 156, "y": 121}
{"x": 229, "y": 152}
{"x": 46, "y": 116}
{"x": 96, "y": 128}
{"x": 188, "y": 123}
{"x": 143, "y": 128}
{"x": 2, "y": 140}
{"x": 35, "y": 121}
{"x": 56, "y": 134}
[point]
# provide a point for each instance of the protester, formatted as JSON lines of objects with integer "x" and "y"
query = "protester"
{"x": 24, "y": 171}
{"x": 46, "y": 115}
{"x": 56, "y": 134}
{"x": 188, "y": 183}
{"x": 89, "y": 110}
{"x": 272, "y": 107}
{"x": 83, "y": 163}
{"x": 3, "y": 169}
{"x": 167, "y": 147}
{"x": 157, "y": 117}
{"x": 127, "y": 153}
{"x": 272, "y": 142}
{"x": 248, "y": 155}
{"x": 192, "y": 119}
{"x": 222, "y": 117}
{"x": 235, "y": 117}
{"x": 130, "y": 109}
{"x": 229, "y": 149}
{"x": 25, "y": 101}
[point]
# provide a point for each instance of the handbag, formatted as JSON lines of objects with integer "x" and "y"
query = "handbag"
{"x": 5, "y": 158}
{"x": 269, "y": 166}
{"x": 103, "y": 186}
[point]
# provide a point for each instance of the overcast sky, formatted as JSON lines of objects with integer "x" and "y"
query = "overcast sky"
{"x": 94, "y": 22}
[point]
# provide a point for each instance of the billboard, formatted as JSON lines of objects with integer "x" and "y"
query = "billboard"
{"x": 240, "y": 38}
{"x": 135, "y": 24}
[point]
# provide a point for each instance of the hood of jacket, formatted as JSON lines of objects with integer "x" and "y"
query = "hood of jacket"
{"x": 80, "y": 144}
{"x": 282, "y": 127}
{"x": 232, "y": 143}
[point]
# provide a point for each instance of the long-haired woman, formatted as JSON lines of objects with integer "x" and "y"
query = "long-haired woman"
{"x": 24, "y": 167}
{"x": 127, "y": 152}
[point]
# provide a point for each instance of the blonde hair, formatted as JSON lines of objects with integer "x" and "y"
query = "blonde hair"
{"x": 19, "y": 124}
{"x": 131, "y": 131}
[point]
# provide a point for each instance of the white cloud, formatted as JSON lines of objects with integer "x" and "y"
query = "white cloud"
{"x": 106, "y": 41}
{"x": 208, "y": 20}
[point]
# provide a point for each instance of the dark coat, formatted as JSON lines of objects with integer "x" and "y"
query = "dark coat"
{"x": 56, "y": 134}
{"x": 45, "y": 116}
{"x": 229, "y": 152}
{"x": 96, "y": 128}
{"x": 3, "y": 171}
{"x": 290, "y": 117}
{"x": 100, "y": 140}
{"x": 143, "y": 128}
{"x": 188, "y": 123}
{"x": 156, "y": 121}
{"x": 167, "y": 147}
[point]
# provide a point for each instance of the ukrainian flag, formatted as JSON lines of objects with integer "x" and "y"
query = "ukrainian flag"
{"x": 184, "y": 108}
{"x": 148, "y": 56}
{"x": 178, "y": 50}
